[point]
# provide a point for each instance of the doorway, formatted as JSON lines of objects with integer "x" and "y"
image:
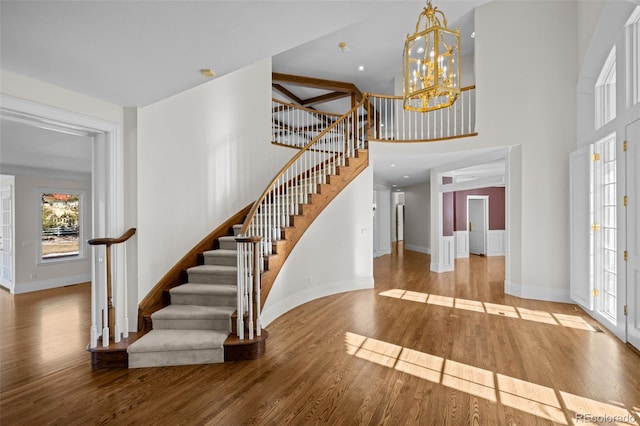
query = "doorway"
{"x": 478, "y": 218}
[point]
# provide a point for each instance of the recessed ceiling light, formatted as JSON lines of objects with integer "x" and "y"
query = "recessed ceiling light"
{"x": 361, "y": 68}
{"x": 406, "y": 177}
{"x": 207, "y": 72}
{"x": 394, "y": 185}
{"x": 392, "y": 165}
{"x": 473, "y": 34}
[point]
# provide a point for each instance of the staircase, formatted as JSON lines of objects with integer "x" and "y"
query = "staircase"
{"x": 192, "y": 329}
{"x": 195, "y": 327}
{"x": 206, "y": 309}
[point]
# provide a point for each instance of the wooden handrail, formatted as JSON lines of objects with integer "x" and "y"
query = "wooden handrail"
{"x": 109, "y": 241}
{"x": 307, "y": 147}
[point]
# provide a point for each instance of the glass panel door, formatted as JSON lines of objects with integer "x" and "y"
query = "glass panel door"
{"x": 605, "y": 227}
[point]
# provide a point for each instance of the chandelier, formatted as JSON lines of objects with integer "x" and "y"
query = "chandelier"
{"x": 431, "y": 77}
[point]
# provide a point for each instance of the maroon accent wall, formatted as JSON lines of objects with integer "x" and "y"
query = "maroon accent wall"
{"x": 448, "y": 210}
{"x": 496, "y": 207}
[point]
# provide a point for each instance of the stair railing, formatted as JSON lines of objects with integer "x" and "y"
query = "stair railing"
{"x": 114, "y": 320}
{"x": 281, "y": 200}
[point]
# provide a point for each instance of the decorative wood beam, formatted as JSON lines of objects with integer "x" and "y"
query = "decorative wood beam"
{"x": 325, "y": 98}
{"x": 287, "y": 93}
{"x": 317, "y": 83}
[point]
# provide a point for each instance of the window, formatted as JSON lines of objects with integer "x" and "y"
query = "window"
{"x": 606, "y": 91}
{"x": 633, "y": 57}
{"x": 61, "y": 225}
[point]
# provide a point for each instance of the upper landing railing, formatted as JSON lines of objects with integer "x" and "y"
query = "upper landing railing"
{"x": 295, "y": 126}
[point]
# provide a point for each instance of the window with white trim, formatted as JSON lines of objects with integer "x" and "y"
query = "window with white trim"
{"x": 606, "y": 91}
{"x": 61, "y": 217}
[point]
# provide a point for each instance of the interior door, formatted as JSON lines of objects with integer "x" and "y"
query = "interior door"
{"x": 633, "y": 233}
{"x": 477, "y": 208}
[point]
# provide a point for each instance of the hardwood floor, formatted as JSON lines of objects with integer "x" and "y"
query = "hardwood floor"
{"x": 422, "y": 348}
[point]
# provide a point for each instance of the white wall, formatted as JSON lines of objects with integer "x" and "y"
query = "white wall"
{"x": 203, "y": 155}
{"x": 333, "y": 255}
{"x": 417, "y": 213}
{"x": 27, "y": 236}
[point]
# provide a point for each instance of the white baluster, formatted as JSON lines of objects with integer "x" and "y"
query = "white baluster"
{"x": 239, "y": 307}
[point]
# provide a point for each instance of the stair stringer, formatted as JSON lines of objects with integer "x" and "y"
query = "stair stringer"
{"x": 326, "y": 193}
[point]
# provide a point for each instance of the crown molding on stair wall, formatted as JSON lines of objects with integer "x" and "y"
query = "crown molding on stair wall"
{"x": 334, "y": 255}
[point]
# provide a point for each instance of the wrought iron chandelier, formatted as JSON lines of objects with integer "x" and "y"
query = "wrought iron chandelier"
{"x": 431, "y": 78}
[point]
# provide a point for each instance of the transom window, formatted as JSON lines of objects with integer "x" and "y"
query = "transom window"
{"x": 606, "y": 91}
{"x": 633, "y": 57}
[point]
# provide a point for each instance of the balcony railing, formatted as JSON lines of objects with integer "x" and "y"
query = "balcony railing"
{"x": 295, "y": 126}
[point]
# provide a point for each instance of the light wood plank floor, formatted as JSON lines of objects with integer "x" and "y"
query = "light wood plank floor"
{"x": 422, "y": 348}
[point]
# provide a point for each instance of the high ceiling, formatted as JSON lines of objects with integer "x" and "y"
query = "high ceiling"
{"x": 133, "y": 53}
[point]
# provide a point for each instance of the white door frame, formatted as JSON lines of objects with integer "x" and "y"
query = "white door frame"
{"x": 107, "y": 179}
{"x": 485, "y": 199}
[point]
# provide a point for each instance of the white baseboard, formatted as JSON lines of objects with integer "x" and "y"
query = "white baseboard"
{"x": 382, "y": 253}
{"x": 537, "y": 293}
{"x": 52, "y": 283}
{"x": 419, "y": 249}
{"x": 436, "y": 267}
{"x": 273, "y": 310}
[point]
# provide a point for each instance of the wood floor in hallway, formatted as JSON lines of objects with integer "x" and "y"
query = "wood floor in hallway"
{"x": 420, "y": 349}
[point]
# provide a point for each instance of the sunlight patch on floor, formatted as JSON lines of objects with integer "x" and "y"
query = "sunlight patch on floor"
{"x": 522, "y": 395}
{"x": 571, "y": 321}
